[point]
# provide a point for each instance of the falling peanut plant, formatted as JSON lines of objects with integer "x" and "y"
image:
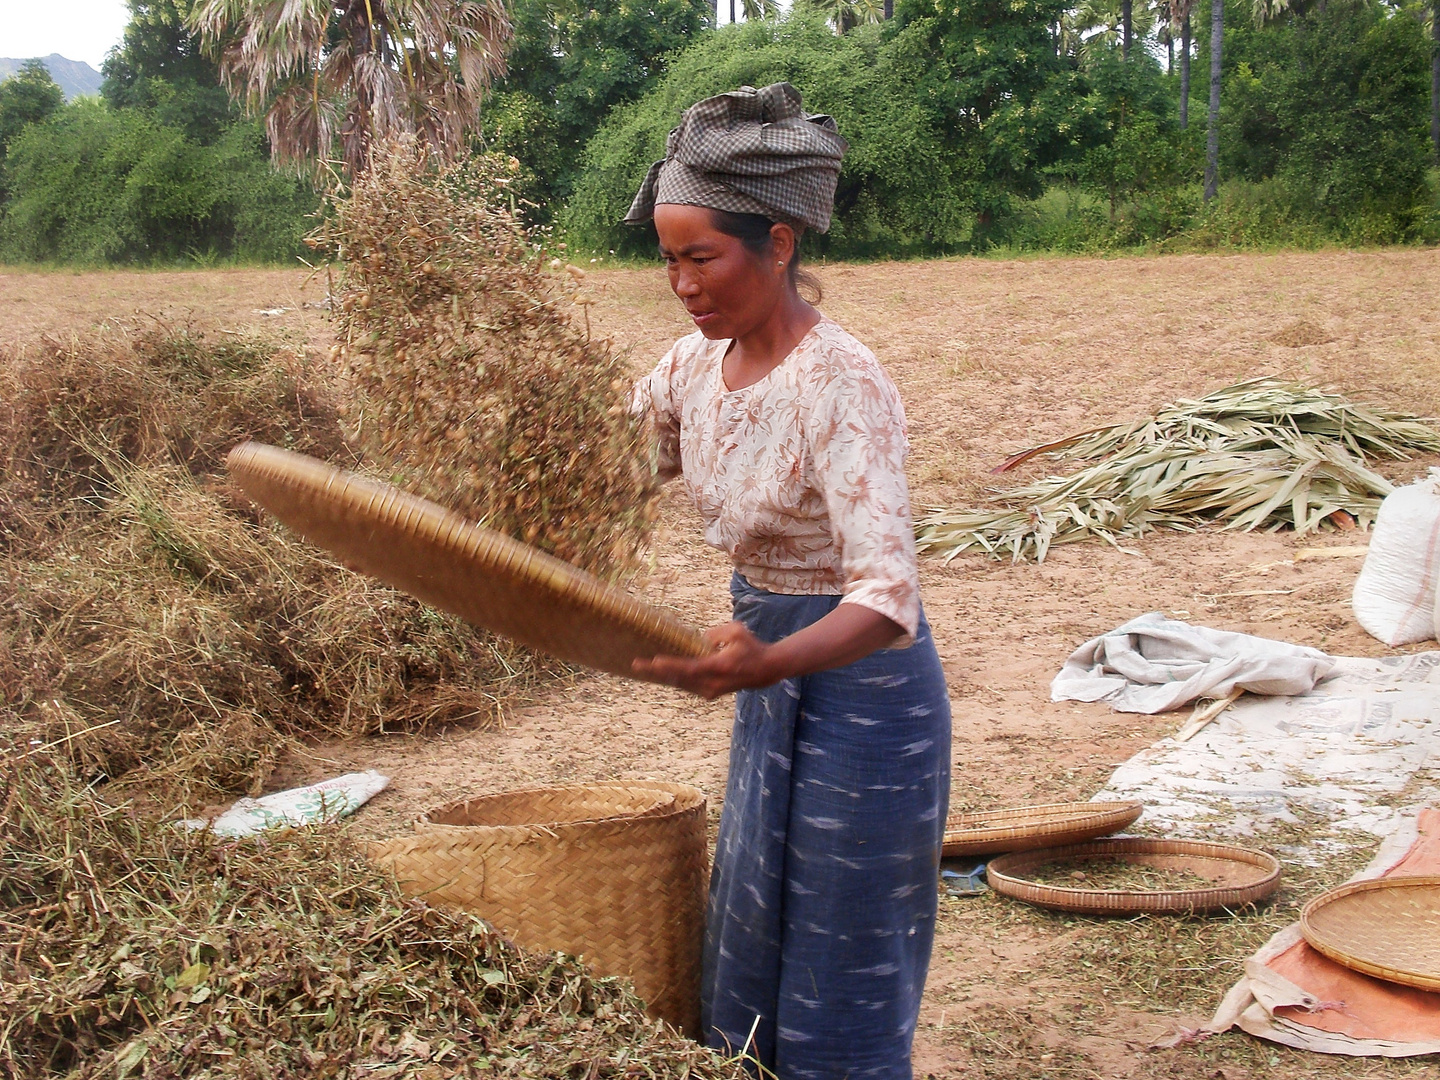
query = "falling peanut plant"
{"x": 472, "y": 383}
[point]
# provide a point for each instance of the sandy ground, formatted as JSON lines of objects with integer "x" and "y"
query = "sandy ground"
{"x": 990, "y": 357}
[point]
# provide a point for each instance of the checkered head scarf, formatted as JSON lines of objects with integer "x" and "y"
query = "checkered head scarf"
{"x": 749, "y": 152}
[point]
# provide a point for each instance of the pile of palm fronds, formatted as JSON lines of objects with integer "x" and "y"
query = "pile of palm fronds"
{"x": 1260, "y": 454}
{"x": 142, "y": 598}
{"x": 132, "y": 949}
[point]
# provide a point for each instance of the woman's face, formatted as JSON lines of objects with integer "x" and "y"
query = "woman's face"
{"x": 727, "y": 290}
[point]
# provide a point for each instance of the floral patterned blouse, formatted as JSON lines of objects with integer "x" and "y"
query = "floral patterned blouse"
{"x": 800, "y": 477}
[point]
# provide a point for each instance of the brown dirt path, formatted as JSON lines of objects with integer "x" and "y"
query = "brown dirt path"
{"x": 990, "y": 357}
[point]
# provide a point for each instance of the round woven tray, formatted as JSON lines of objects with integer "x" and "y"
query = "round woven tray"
{"x": 1389, "y": 928}
{"x": 1027, "y": 827}
{"x": 481, "y": 575}
{"x": 613, "y": 872}
{"x": 1241, "y": 876}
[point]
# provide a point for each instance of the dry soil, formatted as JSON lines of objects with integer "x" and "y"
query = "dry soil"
{"x": 991, "y": 357}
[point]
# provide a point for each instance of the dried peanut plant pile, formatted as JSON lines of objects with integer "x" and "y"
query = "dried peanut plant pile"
{"x": 475, "y": 380}
{"x": 147, "y": 605}
{"x": 131, "y": 949}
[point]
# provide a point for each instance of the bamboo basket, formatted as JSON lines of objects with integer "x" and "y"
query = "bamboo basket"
{"x": 1242, "y": 876}
{"x": 1022, "y": 828}
{"x": 612, "y": 872}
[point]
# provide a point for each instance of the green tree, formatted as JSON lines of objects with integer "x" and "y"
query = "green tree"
{"x": 27, "y": 97}
{"x": 92, "y": 184}
{"x": 159, "y": 66}
{"x": 949, "y": 116}
{"x": 569, "y": 65}
{"x": 1332, "y": 105}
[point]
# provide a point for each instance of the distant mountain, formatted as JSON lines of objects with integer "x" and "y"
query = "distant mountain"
{"x": 75, "y": 77}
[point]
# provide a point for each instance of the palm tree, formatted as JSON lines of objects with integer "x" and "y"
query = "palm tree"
{"x": 1212, "y": 130}
{"x": 1096, "y": 25}
{"x": 1435, "y": 78}
{"x": 1175, "y": 15}
{"x": 847, "y": 14}
{"x": 356, "y": 70}
{"x": 759, "y": 9}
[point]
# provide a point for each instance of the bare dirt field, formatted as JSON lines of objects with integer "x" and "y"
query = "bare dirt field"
{"x": 991, "y": 357}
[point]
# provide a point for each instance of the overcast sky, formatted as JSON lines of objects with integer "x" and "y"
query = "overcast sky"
{"x": 76, "y": 29}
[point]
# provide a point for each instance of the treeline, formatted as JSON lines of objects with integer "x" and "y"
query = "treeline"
{"x": 973, "y": 124}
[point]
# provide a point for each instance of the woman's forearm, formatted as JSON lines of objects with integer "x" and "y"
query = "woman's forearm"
{"x": 847, "y": 634}
{"x": 741, "y": 661}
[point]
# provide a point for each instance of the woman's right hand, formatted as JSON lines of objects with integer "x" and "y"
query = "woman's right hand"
{"x": 737, "y": 660}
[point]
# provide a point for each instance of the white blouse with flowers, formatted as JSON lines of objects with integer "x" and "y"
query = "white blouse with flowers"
{"x": 800, "y": 477}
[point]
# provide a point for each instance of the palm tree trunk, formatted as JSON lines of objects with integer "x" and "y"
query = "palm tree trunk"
{"x": 1435, "y": 78}
{"x": 732, "y": 10}
{"x": 1126, "y": 13}
{"x": 889, "y": 9}
{"x": 1169, "y": 55}
{"x": 1185, "y": 72}
{"x": 1212, "y": 131}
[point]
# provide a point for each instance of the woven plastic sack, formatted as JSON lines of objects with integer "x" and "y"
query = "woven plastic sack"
{"x": 1395, "y": 594}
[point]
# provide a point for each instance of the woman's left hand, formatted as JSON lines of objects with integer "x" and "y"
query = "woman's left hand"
{"x": 738, "y": 660}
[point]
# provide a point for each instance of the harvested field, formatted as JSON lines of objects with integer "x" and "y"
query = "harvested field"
{"x": 991, "y": 357}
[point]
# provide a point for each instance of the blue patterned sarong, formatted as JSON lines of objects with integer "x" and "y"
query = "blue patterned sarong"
{"x": 823, "y": 896}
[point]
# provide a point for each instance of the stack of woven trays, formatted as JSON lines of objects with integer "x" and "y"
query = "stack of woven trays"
{"x": 1029, "y": 837}
{"x": 611, "y": 872}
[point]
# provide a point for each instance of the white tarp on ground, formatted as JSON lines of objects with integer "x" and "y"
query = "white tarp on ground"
{"x": 1153, "y": 664}
{"x": 1354, "y": 754}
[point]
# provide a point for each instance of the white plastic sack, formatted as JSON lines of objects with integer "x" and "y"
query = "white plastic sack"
{"x": 1394, "y": 596}
{"x": 311, "y": 805}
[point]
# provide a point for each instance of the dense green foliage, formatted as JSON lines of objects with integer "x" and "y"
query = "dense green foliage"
{"x": 570, "y": 64}
{"x": 983, "y": 123}
{"x": 160, "y": 169}
{"x": 94, "y": 184}
{"x": 915, "y": 177}
{"x": 26, "y": 98}
{"x": 973, "y": 125}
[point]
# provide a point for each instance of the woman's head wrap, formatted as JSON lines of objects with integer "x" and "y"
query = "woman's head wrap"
{"x": 749, "y": 152}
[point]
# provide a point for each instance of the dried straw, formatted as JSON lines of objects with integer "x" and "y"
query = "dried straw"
{"x": 1259, "y": 454}
{"x": 472, "y": 383}
{"x": 136, "y": 587}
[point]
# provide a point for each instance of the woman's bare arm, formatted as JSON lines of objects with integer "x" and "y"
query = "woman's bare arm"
{"x": 741, "y": 661}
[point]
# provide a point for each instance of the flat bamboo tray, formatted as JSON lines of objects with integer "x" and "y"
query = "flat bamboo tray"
{"x": 1388, "y": 928}
{"x": 481, "y": 575}
{"x": 1027, "y": 827}
{"x": 1242, "y": 876}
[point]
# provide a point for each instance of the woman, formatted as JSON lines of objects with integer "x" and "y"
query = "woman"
{"x": 791, "y": 440}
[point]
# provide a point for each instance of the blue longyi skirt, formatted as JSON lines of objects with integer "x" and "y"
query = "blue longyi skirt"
{"x": 823, "y": 895}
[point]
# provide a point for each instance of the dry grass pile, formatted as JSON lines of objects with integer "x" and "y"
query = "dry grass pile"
{"x": 1260, "y": 454}
{"x": 143, "y": 601}
{"x": 129, "y": 948}
{"x": 473, "y": 382}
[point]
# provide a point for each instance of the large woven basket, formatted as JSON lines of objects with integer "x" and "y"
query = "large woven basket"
{"x": 1241, "y": 876}
{"x": 1024, "y": 827}
{"x": 1386, "y": 927}
{"x": 612, "y": 872}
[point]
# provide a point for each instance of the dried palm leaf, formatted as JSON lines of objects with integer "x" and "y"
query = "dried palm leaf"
{"x": 1259, "y": 454}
